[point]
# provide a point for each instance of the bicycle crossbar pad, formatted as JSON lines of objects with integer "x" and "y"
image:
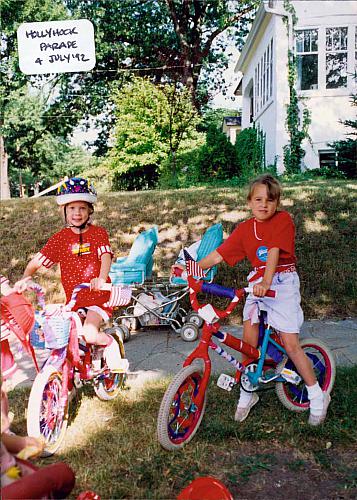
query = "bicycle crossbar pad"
{"x": 219, "y": 290}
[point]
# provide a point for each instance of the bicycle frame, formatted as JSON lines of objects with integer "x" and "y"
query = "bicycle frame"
{"x": 212, "y": 329}
{"x": 184, "y": 402}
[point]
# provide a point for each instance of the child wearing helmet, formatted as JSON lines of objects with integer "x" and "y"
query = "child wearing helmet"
{"x": 83, "y": 252}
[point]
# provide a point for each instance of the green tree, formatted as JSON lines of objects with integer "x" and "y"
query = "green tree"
{"x": 166, "y": 40}
{"x": 250, "y": 148}
{"x": 177, "y": 41}
{"x": 13, "y": 87}
{"x": 33, "y": 151}
{"x": 151, "y": 123}
{"x": 215, "y": 117}
{"x": 217, "y": 158}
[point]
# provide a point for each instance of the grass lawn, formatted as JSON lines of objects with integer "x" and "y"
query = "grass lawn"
{"x": 113, "y": 448}
{"x": 324, "y": 212}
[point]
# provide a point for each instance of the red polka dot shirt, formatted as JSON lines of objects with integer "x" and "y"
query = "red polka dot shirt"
{"x": 79, "y": 263}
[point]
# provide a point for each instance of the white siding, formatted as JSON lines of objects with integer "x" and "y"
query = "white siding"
{"x": 328, "y": 107}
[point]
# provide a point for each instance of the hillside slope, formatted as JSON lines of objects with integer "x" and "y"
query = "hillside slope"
{"x": 324, "y": 212}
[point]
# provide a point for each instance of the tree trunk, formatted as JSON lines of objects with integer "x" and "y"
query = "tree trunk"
{"x": 4, "y": 177}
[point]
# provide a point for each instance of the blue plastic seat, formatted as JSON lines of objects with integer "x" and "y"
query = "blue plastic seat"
{"x": 137, "y": 266}
{"x": 211, "y": 239}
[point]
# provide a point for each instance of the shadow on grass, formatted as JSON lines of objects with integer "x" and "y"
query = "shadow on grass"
{"x": 324, "y": 212}
{"x": 113, "y": 448}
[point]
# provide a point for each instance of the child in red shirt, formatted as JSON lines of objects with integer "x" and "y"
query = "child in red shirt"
{"x": 268, "y": 241}
{"x": 84, "y": 254}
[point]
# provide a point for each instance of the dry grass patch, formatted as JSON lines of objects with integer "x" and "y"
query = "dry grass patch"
{"x": 325, "y": 215}
{"x": 113, "y": 448}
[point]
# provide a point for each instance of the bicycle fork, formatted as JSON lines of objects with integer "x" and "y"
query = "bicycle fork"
{"x": 64, "y": 390}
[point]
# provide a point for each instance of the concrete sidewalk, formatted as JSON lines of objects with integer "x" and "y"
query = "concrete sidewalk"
{"x": 158, "y": 353}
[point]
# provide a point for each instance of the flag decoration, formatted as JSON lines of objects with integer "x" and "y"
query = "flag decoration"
{"x": 192, "y": 268}
{"x": 119, "y": 296}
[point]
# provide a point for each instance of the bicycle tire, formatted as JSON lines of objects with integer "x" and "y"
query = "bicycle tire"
{"x": 294, "y": 397}
{"x": 176, "y": 409}
{"x": 109, "y": 386}
{"x": 43, "y": 417}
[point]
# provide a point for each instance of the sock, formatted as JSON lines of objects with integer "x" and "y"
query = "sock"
{"x": 316, "y": 397}
{"x": 244, "y": 398}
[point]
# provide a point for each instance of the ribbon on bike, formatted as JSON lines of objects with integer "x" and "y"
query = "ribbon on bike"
{"x": 119, "y": 295}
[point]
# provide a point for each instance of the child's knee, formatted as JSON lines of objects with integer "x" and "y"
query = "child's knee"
{"x": 90, "y": 334}
{"x": 292, "y": 345}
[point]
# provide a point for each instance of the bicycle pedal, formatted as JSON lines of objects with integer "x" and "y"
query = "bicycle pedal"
{"x": 290, "y": 376}
{"x": 226, "y": 382}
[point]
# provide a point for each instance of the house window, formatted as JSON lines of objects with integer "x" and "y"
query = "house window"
{"x": 327, "y": 158}
{"x": 263, "y": 79}
{"x": 307, "y": 59}
{"x": 336, "y": 58}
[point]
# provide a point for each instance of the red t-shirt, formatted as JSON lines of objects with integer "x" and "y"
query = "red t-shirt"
{"x": 253, "y": 239}
{"x": 78, "y": 264}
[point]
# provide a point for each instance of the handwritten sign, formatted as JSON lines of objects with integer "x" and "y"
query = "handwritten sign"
{"x": 56, "y": 47}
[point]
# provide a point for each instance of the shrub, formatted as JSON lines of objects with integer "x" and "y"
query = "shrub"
{"x": 136, "y": 179}
{"x": 217, "y": 158}
{"x": 347, "y": 157}
{"x": 250, "y": 152}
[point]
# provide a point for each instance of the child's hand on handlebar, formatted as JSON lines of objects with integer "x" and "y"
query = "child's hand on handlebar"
{"x": 21, "y": 285}
{"x": 177, "y": 270}
{"x": 96, "y": 284}
{"x": 260, "y": 289}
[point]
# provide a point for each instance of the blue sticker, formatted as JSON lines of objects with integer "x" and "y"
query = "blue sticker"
{"x": 262, "y": 253}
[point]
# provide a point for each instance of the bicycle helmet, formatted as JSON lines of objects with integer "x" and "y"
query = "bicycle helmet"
{"x": 76, "y": 189}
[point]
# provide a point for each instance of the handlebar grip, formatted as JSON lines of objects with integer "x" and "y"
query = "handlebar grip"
{"x": 270, "y": 293}
{"x": 219, "y": 290}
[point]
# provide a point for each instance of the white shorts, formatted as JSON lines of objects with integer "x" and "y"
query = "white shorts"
{"x": 284, "y": 312}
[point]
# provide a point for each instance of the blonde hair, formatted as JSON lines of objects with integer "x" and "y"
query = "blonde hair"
{"x": 273, "y": 186}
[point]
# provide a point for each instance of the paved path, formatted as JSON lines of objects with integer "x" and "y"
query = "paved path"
{"x": 159, "y": 353}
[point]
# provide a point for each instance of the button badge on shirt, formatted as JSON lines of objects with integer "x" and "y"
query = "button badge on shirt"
{"x": 80, "y": 249}
{"x": 262, "y": 253}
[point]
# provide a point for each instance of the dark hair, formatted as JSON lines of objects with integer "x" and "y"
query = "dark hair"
{"x": 273, "y": 186}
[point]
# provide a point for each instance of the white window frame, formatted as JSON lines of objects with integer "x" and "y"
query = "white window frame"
{"x": 336, "y": 51}
{"x": 351, "y": 60}
{"x": 263, "y": 80}
{"x": 310, "y": 52}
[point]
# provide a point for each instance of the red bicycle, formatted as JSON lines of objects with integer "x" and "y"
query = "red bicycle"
{"x": 184, "y": 402}
{"x": 70, "y": 364}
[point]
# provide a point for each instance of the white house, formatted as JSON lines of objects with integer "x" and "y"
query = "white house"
{"x": 324, "y": 40}
{"x": 231, "y": 126}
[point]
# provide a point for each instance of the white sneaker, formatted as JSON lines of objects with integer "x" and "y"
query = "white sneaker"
{"x": 314, "y": 419}
{"x": 242, "y": 412}
{"x": 113, "y": 358}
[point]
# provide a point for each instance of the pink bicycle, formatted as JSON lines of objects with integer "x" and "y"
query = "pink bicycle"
{"x": 71, "y": 364}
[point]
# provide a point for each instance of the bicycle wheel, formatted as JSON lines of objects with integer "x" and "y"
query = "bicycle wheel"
{"x": 179, "y": 418}
{"x": 109, "y": 385}
{"x": 294, "y": 397}
{"x": 44, "y": 414}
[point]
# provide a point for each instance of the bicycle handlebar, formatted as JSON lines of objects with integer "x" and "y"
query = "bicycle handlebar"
{"x": 234, "y": 294}
{"x": 82, "y": 286}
